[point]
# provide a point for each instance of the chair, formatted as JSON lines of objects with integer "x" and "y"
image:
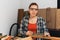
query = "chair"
{"x": 14, "y": 29}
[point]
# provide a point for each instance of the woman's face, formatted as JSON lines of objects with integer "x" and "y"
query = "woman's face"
{"x": 33, "y": 10}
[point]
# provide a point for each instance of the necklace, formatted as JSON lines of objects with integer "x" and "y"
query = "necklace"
{"x": 33, "y": 20}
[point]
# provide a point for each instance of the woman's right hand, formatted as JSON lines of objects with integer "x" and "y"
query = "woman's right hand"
{"x": 29, "y": 33}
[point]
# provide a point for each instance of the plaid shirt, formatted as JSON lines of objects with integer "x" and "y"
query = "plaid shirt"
{"x": 41, "y": 26}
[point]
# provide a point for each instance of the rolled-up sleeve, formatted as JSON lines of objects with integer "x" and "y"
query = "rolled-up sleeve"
{"x": 44, "y": 25}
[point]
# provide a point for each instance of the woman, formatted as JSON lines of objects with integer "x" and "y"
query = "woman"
{"x": 33, "y": 24}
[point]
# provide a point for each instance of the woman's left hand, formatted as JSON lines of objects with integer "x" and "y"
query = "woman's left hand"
{"x": 46, "y": 34}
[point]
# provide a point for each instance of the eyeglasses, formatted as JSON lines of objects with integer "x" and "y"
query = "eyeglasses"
{"x": 33, "y": 9}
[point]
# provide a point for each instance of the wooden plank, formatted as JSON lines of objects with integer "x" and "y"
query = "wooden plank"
{"x": 58, "y": 19}
{"x": 45, "y": 37}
